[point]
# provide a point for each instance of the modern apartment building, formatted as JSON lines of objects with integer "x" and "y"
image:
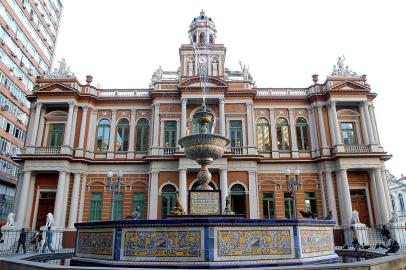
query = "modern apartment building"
{"x": 28, "y": 35}
{"x": 78, "y": 133}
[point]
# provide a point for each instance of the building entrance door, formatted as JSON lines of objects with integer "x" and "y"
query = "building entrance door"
{"x": 359, "y": 203}
{"x": 46, "y": 204}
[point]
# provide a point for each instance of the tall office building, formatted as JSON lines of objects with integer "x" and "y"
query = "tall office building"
{"x": 28, "y": 34}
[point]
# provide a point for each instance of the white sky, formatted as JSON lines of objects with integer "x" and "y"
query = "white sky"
{"x": 283, "y": 42}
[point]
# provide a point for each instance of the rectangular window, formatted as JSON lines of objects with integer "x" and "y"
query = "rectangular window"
{"x": 139, "y": 203}
{"x": 288, "y": 203}
{"x": 348, "y": 132}
{"x": 268, "y": 203}
{"x": 118, "y": 206}
{"x": 236, "y": 133}
{"x": 96, "y": 199}
{"x": 310, "y": 202}
{"x": 170, "y": 134}
{"x": 56, "y": 134}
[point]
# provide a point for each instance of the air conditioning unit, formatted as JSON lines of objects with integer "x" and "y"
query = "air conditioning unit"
{"x": 5, "y": 107}
{"x": 20, "y": 78}
{"x": 21, "y": 63}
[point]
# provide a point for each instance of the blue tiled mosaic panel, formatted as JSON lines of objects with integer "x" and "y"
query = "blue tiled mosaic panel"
{"x": 315, "y": 240}
{"x": 256, "y": 242}
{"x": 97, "y": 243}
{"x": 162, "y": 244}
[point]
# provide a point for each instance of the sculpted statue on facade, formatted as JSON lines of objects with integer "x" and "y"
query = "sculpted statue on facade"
{"x": 355, "y": 217}
{"x": 10, "y": 220}
{"x": 62, "y": 72}
{"x": 50, "y": 220}
{"x": 394, "y": 218}
{"x": 340, "y": 70}
{"x": 245, "y": 72}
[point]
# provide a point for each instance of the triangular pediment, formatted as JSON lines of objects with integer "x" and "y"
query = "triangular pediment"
{"x": 196, "y": 82}
{"x": 55, "y": 87}
{"x": 349, "y": 85}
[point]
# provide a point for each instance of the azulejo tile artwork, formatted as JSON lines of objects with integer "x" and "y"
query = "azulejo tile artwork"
{"x": 253, "y": 242}
{"x": 96, "y": 243}
{"x": 315, "y": 240}
{"x": 162, "y": 243}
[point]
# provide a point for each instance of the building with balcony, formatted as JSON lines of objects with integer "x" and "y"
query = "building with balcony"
{"x": 28, "y": 32}
{"x": 77, "y": 133}
{"x": 397, "y": 190}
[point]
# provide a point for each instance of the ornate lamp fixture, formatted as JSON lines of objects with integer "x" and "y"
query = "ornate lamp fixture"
{"x": 113, "y": 187}
{"x": 293, "y": 186}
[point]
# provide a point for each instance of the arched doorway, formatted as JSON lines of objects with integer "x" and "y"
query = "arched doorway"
{"x": 238, "y": 201}
{"x": 168, "y": 199}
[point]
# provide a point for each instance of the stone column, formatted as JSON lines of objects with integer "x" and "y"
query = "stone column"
{"x": 274, "y": 139}
{"x": 253, "y": 195}
{"x": 323, "y": 199}
{"x": 22, "y": 204}
{"x": 73, "y": 130}
{"x": 153, "y": 196}
{"x": 373, "y": 121}
{"x": 223, "y": 188}
{"x": 112, "y": 138}
{"x": 30, "y": 197}
{"x": 314, "y": 144}
{"x": 82, "y": 198}
{"x": 326, "y": 150}
{"x": 18, "y": 195}
{"x": 131, "y": 143}
{"x": 65, "y": 199}
{"x": 91, "y": 134}
{"x": 40, "y": 128}
{"x": 375, "y": 199}
{"x": 387, "y": 195}
{"x": 183, "y": 119}
{"x": 73, "y": 211}
{"x": 332, "y": 126}
{"x": 368, "y": 123}
{"x": 363, "y": 125}
{"x": 155, "y": 139}
{"x": 60, "y": 192}
{"x": 331, "y": 195}
{"x": 336, "y": 124}
{"x": 292, "y": 126}
{"x": 250, "y": 128}
{"x": 68, "y": 127}
{"x": 34, "y": 133}
{"x": 381, "y": 196}
{"x": 222, "y": 127}
{"x": 79, "y": 150}
{"x": 183, "y": 189}
{"x": 346, "y": 207}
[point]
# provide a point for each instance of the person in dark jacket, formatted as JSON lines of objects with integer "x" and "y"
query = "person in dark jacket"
{"x": 21, "y": 240}
{"x": 48, "y": 240}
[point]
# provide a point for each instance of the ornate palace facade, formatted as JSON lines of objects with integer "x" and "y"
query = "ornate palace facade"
{"x": 77, "y": 133}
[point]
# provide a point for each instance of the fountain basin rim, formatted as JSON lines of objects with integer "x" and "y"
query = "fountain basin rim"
{"x": 207, "y": 136}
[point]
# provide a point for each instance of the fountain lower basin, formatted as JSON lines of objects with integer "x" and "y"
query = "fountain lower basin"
{"x": 204, "y": 242}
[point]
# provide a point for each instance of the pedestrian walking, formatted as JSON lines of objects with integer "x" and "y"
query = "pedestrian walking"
{"x": 48, "y": 240}
{"x": 21, "y": 240}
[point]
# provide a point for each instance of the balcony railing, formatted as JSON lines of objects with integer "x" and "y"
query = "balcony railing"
{"x": 169, "y": 151}
{"x": 302, "y": 92}
{"x": 239, "y": 151}
{"x": 123, "y": 93}
{"x": 52, "y": 150}
{"x": 357, "y": 148}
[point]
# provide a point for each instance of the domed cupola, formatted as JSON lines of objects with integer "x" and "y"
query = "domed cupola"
{"x": 202, "y": 30}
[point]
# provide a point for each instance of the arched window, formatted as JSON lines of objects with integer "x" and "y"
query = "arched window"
{"x": 401, "y": 202}
{"x": 348, "y": 133}
{"x": 264, "y": 141}
{"x": 194, "y": 38}
{"x": 202, "y": 37}
{"x": 238, "y": 201}
{"x": 142, "y": 135}
{"x": 211, "y": 39}
{"x": 392, "y": 199}
{"x": 168, "y": 199}
{"x": 196, "y": 126}
{"x": 103, "y": 135}
{"x": 302, "y": 134}
{"x": 123, "y": 129}
{"x": 282, "y": 130}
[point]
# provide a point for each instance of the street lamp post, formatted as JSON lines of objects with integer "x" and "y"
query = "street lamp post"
{"x": 113, "y": 187}
{"x": 293, "y": 185}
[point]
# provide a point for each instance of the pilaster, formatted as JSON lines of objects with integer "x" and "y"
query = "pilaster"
{"x": 292, "y": 127}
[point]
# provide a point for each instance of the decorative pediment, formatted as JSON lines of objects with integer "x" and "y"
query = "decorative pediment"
{"x": 195, "y": 82}
{"x": 348, "y": 85}
{"x": 55, "y": 87}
